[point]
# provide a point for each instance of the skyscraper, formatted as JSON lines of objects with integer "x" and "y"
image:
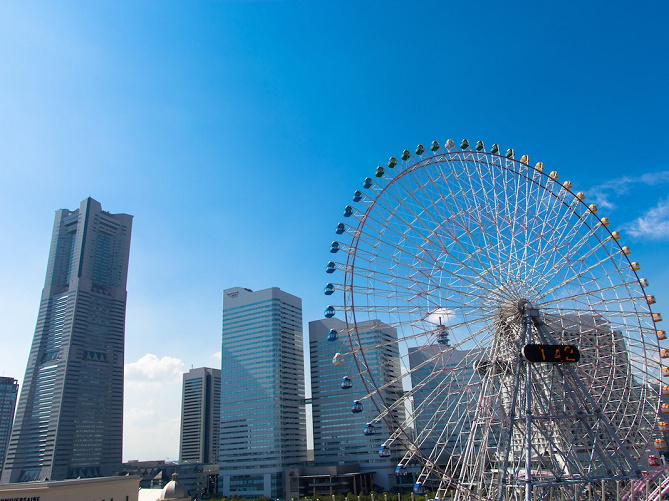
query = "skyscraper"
{"x": 446, "y": 386}
{"x": 339, "y": 436}
{"x": 9, "y": 388}
{"x": 263, "y": 428}
{"x": 200, "y": 415}
{"x": 69, "y": 421}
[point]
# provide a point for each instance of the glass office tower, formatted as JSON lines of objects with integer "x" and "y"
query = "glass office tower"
{"x": 200, "y": 416}
{"x": 339, "y": 436}
{"x": 442, "y": 408}
{"x": 69, "y": 421}
{"x": 9, "y": 388}
{"x": 263, "y": 429}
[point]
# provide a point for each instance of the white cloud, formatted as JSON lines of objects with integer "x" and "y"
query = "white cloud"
{"x": 654, "y": 224}
{"x": 151, "y": 369}
{"x": 152, "y": 408}
{"x": 441, "y": 316}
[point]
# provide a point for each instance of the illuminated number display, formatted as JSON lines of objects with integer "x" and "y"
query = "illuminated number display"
{"x": 553, "y": 353}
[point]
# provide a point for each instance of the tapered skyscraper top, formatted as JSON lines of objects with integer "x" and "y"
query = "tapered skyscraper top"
{"x": 69, "y": 421}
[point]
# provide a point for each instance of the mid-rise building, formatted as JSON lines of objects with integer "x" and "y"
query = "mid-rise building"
{"x": 9, "y": 388}
{"x": 339, "y": 434}
{"x": 200, "y": 416}
{"x": 263, "y": 429}
{"x": 69, "y": 419}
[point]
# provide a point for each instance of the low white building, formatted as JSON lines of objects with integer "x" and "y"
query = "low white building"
{"x": 81, "y": 489}
{"x": 173, "y": 491}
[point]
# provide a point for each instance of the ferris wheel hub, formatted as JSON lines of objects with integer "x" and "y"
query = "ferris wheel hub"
{"x": 524, "y": 305}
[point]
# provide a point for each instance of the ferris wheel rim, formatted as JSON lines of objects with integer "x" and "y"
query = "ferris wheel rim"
{"x": 351, "y": 268}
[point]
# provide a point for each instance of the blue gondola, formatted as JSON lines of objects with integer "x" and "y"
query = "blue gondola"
{"x": 384, "y": 451}
{"x": 369, "y": 429}
{"x": 346, "y": 383}
{"x": 332, "y": 335}
{"x": 356, "y": 407}
{"x": 341, "y": 228}
{"x": 419, "y": 489}
{"x": 401, "y": 470}
{"x": 330, "y": 267}
{"x": 348, "y": 211}
{"x": 368, "y": 183}
{"x": 329, "y": 312}
{"x": 329, "y": 289}
{"x": 334, "y": 247}
{"x": 357, "y": 195}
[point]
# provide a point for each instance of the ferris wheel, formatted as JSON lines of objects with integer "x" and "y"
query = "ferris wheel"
{"x": 523, "y": 340}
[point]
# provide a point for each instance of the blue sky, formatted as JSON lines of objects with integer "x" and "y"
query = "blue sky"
{"x": 235, "y": 133}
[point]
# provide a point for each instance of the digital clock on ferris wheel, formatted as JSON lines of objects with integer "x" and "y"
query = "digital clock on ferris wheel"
{"x": 551, "y": 353}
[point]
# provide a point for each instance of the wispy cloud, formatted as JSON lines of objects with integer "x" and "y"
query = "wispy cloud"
{"x": 604, "y": 194}
{"x": 654, "y": 224}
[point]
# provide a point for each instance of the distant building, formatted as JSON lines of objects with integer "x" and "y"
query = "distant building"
{"x": 9, "y": 388}
{"x": 69, "y": 420}
{"x": 446, "y": 386}
{"x": 339, "y": 437}
{"x": 200, "y": 480}
{"x": 263, "y": 428}
{"x": 200, "y": 416}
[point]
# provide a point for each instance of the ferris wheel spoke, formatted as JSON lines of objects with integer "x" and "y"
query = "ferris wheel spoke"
{"x": 474, "y": 336}
{"x": 457, "y": 210}
{"x": 550, "y": 255}
{"x": 392, "y": 381}
{"x": 589, "y": 294}
{"x": 386, "y": 278}
{"x": 549, "y": 245}
{"x": 577, "y": 275}
{"x": 431, "y": 263}
{"x": 551, "y": 269}
{"x": 473, "y": 209}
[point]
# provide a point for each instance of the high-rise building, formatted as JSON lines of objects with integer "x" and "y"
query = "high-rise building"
{"x": 446, "y": 387}
{"x": 200, "y": 416}
{"x": 339, "y": 434}
{"x": 69, "y": 420}
{"x": 9, "y": 388}
{"x": 263, "y": 429}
